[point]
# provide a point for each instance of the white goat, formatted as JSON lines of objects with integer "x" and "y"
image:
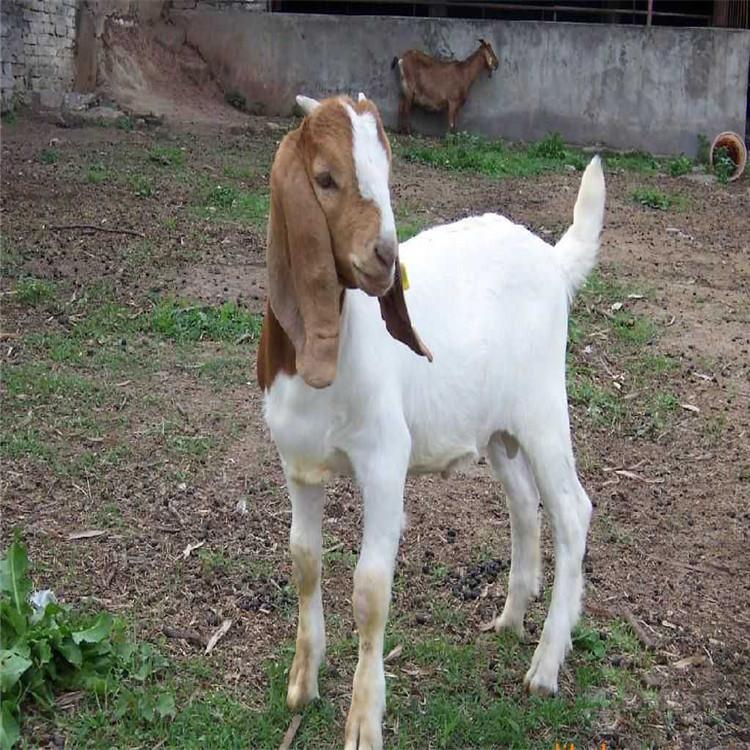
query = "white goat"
{"x": 343, "y": 396}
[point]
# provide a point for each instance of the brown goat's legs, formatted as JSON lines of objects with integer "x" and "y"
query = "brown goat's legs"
{"x": 404, "y": 113}
{"x": 453, "y": 108}
{"x": 306, "y": 543}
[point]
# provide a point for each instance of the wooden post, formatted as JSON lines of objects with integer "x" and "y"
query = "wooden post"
{"x": 650, "y": 12}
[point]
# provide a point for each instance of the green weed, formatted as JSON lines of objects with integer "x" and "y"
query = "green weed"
{"x": 724, "y": 166}
{"x": 31, "y": 291}
{"x": 47, "y": 648}
{"x": 167, "y": 156}
{"x": 655, "y": 198}
{"x": 181, "y": 322}
{"x": 97, "y": 173}
{"x": 142, "y": 186}
{"x": 230, "y": 203}
{"x": 49, "y": 156}
{"x": 125, "y": 122}
{"x": 464, "y": 152}
{"x": 680, "y": 165}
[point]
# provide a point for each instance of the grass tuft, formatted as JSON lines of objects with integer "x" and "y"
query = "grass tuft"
{"x": 32, "y": 292}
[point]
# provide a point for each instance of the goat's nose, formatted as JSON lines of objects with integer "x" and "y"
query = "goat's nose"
{"x": 386, "y": 252}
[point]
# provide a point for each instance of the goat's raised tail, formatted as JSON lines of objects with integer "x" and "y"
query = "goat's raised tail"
{"x": 576, "y": 251}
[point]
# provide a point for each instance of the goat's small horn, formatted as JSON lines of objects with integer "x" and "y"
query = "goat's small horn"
{"x": 361, "y": 97}
{"x": 307, "y": 105}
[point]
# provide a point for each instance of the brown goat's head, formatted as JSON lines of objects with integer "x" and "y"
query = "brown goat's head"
{"x": 332, "y": 227}
{"x": 490, "y": 58}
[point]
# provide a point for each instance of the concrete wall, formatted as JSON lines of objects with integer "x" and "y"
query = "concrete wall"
{"x": 37, "y": 40}
{"x": 625, "y": 87}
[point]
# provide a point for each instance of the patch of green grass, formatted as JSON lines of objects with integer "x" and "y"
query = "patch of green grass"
{"x": 31, "y": 291}
{"x": 231, "y": 203}
{"x": 224, "y": 371}
{"x": 236, "y": 171}
{"x": 658, "y": 199}
{"x": 634, "y": 161}
{"x": 181, "y": 322}
{"x": 9, "y": 117}
{"x": 213, "y": 561}
{"x": 167, "y": 156}
{"x": 142, "y": 186}
{"x": 679, "y": 165}
{"x": 651, "y": 365}
{"x": 603, "y": 407}
{"x": 464, "y": 152}
{"x": 193, "y": 446}
{"x": 49, "y": 156}
{"x": 30, "y": 383}
{"x": 24, "y": 442}
{"x": 97, "y": 173}
{"x": 464, "y": 696}
{"x": 634, "y": 329}
{"x": 125, "y": 123}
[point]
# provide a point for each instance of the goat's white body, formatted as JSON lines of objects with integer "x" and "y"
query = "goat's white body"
{"x": 490, "y": 300}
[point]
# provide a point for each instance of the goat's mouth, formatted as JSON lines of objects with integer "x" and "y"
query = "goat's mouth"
{"x": 373, "y": 284}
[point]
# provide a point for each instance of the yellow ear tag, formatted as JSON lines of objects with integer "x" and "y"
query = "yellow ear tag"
{"x": 404, "y": 277}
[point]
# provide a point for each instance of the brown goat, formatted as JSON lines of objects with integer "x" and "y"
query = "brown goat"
{"x": 439, "y": 84}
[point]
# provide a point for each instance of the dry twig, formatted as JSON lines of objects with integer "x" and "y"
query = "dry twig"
{"x": 191, "y": 636}
{"x": 286, "y": 743}
{"x": 94, "y": 228}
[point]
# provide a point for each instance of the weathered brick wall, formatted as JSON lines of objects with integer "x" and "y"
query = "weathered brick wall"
{"x": 38, "y": 42}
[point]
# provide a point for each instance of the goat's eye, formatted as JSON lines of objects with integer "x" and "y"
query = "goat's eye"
{"x": 325, "y": 180}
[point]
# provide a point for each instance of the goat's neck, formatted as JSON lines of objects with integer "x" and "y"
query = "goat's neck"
{"x": 472, "y": 66}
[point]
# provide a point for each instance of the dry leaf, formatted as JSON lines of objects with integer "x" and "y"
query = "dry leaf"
{"x": 88, "y": 534}
{"x": 616, "y": 306}
{"x": 485, "y": 627}
{"x": 690, "y": 407}
{"x": 690, "y": 661}
{"x": 394, "y": 653}
{"x": 218, "y": 635}
{"x": 191, "y": 548}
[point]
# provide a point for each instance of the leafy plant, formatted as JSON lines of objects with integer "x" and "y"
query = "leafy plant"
{"x": 97, "y": 173}
{"x": 142, "y": 186}
{"x": 680, "y": 165}
{"x": 47, "y": 648}
{"x": 551, "y": 147}
{"x": 167, "y": 156}
{"x": 31, "y": 291}
{"x": 49, "y": 156}
{"x": 655, "y": 198}
{"x": 724, "y": 165}
{"x": 183, "y": 323}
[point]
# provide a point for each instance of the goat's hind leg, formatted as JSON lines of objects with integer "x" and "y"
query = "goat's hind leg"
{"x": 306, "y": 544}
{"x": 511, "y": 467}
{"x": 551, "y": 457}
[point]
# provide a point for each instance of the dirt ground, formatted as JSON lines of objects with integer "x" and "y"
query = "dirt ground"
{"x": 671, "y": 528}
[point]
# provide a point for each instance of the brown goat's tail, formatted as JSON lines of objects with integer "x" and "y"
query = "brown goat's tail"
{"x": 394, "y": 63}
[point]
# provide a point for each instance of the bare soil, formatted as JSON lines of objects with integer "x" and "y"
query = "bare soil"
{"x": 670, "y": 534}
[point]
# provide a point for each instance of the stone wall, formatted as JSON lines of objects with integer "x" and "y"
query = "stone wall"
{"x": 38, "y": 48}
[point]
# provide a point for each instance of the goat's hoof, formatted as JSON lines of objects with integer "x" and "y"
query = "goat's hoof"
{"x": 541, "y": 682}
{"x": 363, "y": 730}
{"x": 510, "y": 624}
{"x": 303, "y": 686}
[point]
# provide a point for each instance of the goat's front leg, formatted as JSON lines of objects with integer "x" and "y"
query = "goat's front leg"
{"x": 383, "y": 498}
{"x": 306, "y": 543}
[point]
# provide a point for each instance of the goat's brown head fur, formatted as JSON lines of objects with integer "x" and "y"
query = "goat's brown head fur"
{"x": 331, "y": 227}
{"x": 490, "y": 58}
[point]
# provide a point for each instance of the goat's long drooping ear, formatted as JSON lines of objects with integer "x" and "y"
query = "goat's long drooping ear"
{"x": 396, "y": 316}
{"x": 303, "y": 285}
